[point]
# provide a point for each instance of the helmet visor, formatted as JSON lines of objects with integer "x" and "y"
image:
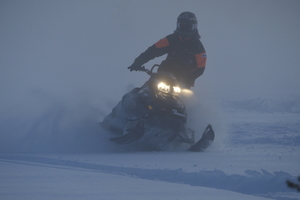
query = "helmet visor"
{"x": 186, "y": 26}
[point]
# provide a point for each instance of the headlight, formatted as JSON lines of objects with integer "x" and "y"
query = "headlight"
{"x": 167, "y": 89}
{"x": 163, "y": 87}
{"x": 177, "y": 90}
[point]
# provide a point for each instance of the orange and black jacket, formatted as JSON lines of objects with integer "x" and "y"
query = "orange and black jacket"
{"x": 186, "y": 59}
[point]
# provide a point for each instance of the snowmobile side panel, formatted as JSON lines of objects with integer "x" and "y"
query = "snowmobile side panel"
{"x": 132, "y": 135}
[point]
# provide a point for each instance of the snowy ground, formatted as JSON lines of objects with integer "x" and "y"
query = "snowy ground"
{"x": 251, "y": 160}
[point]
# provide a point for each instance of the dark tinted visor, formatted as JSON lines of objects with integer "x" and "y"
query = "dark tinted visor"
{"x": 186, "y": 26}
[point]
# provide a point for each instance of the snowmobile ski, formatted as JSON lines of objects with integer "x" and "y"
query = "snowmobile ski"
{"x": 132, "y": 132}
{"x": 207, "y": 138}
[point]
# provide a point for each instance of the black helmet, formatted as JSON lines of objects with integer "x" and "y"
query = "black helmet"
{"x": 187, "y": 24}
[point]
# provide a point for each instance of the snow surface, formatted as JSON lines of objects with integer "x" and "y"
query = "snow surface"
{"x": 63, "y": 66}
{"x": 27, "y": 180}
{"x": 253, "y": 161}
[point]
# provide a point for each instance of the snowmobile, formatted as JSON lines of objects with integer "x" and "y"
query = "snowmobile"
{"x": 154, "y": 116}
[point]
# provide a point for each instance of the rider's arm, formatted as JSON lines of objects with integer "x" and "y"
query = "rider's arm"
{"x": 158, "y": 49}
{"x": 200, "y": 57}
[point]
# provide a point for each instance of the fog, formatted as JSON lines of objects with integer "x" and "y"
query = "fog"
{"x": 73, "y": 55}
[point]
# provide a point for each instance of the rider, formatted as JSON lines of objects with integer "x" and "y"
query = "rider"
{"x": 186, "y": 56}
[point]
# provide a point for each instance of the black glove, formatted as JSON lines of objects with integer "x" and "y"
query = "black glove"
{"x": 135, "y": 67}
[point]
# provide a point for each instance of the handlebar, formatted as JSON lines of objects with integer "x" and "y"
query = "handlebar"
{"x": 149, "y": 72}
